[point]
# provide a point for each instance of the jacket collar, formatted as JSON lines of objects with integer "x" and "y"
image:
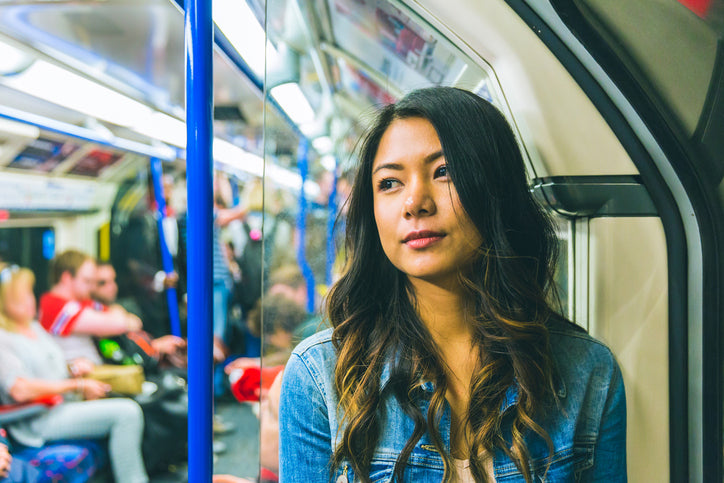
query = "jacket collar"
{"x": 512, "y": 394}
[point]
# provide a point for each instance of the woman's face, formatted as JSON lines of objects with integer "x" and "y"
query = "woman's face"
{"x": 19, "y": 302}
{"x": 423, "y": 228}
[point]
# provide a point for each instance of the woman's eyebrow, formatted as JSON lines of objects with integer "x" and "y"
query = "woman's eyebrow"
{"x": 394, "y": 166}
{"x": 398, "y": 167}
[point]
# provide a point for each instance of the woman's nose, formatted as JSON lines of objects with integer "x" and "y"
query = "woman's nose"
{"x": 419, "y": 201}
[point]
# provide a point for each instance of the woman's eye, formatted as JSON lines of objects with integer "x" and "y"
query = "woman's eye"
{"x": 386, "y": 184}
{"x": 441, "y": 171}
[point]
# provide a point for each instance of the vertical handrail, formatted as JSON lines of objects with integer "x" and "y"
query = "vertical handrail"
{"x": 331, "y": 224}
{"x": 166, "y": 258}
{"x": 303, "y": 164}
{"x": 199, "y": 135}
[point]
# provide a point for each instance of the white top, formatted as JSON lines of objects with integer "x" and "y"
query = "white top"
{"x": 464, "y": 475}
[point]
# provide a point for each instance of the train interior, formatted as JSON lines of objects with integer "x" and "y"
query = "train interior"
{"x": 616, "y": 106}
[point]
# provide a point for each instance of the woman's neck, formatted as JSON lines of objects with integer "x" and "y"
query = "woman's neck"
{"x": 24, "y": 327}
{"x": 444, "y": 312}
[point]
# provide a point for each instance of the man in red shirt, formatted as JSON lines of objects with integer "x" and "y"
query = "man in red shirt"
{"x": 68, "y": 311}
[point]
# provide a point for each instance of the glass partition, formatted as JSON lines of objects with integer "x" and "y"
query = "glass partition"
{"x": 329, "y": 65}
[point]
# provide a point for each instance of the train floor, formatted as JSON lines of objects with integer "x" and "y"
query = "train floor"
{"x": 240, "y": 456}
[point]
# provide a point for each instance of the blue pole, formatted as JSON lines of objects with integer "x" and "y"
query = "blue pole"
{"x": 303, "y": 164}
{"x": 199, "y": 168}
{"x": 166, "y": 259}
{"x": 331, "y": 221}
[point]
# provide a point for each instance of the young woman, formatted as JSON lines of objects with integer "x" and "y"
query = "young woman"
{"x": 446, "y": 361}
{"x": 32, "y": 366}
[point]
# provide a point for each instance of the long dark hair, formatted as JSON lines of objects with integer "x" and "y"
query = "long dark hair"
{"x": 373, "y": 310}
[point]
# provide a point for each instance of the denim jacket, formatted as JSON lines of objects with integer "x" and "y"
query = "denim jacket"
{"x": 587, "y": 425}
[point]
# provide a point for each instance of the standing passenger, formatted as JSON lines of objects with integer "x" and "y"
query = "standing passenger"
{"x": 446, "y": 361}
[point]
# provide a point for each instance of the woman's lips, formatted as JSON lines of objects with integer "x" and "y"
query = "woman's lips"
{"x": 422, "y": 239}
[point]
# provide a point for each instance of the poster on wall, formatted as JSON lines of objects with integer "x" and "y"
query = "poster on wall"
{"x": 93, "y": 163}
{"x": 43, "y": 155}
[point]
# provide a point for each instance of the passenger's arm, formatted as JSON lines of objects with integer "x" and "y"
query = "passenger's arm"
{"x": 25, "y": 390}
{"x": 168, "y": 344}
{"x": 304, "y": 434}
{"x": 80, "y": 367}
{"x": 609, "y": 457}
{"x": 224, "y": 216}
{"x": 112, "y": 322}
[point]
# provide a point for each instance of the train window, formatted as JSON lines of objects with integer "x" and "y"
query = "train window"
{"x": 28, "y": 246}
{"x": 675, "y": 54}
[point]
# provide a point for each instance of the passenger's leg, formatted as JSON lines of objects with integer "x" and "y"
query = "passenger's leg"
{"x": 120, "y": 419}
{"x": 220, "y": 308}
{"x": 220, "y": 312}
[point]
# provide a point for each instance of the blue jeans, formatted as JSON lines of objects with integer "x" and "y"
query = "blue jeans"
{"x": 221, "y": 308}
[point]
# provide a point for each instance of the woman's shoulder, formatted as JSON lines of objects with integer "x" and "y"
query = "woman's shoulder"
{"x": 581, "y": 363}
{"x": 318, "y": 342}
{"x": 312, "y": 362}
{"x": 571, "y": 344}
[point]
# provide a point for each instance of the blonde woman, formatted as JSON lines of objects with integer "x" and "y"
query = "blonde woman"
{"x": 32, "y": 366}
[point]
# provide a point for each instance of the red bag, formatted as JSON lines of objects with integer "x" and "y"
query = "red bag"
{"x": 249, "y": 386}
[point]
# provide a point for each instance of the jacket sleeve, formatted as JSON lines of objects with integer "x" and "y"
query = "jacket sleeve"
{"x": 609, "y": 457}
{"x": 305, "y": 447}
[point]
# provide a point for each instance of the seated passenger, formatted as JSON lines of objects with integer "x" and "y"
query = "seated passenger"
{"x": 165, "y": 412}
{"x": 167, "y": 348}
{"x": 69, "y": 313}
{"x": 32, "y": 366}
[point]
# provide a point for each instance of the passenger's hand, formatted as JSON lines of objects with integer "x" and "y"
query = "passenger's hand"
{"x": 171, "y": 280}
{"x": 133, "y": 323}
{"x": 5, "y": 461}
{"x": 80, "y": 367}
{"x": 168, "y": 344}
{"x": 242, "y": 363}
{"x": 93, "y": 389}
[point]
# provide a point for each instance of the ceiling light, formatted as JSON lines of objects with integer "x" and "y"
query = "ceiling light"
{"x": 235, "y": 157}
{"x": 293, "y": 101}
{"x": 163, "y": 127}
{"x": 62, "y": 87}
{"x": 322, "y": 144}
{"x": 239, "y": 25}
{"x": 328, "y": 162}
